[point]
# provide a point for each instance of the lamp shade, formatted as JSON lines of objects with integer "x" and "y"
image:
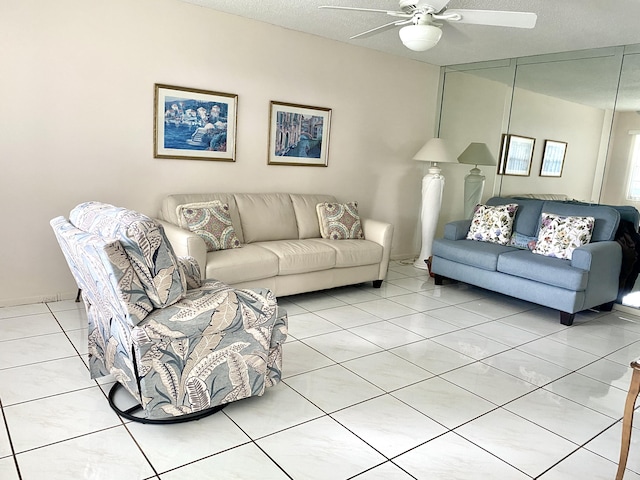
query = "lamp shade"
{"x": 420, "y": 37}
{"x": 477, "y": 154}
{"x": 435, "y": 150}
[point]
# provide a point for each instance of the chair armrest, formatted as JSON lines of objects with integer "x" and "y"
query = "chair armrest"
{"x": 186, "y": 244}
{"x": 191, "y": 271}
{"x": 382, "y": 234}
{"x": 457, "y": 230}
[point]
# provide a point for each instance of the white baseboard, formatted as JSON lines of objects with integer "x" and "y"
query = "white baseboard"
{"x": 54, "y": 297}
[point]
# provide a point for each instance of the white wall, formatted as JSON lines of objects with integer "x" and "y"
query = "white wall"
{"x": 76, "y": 119}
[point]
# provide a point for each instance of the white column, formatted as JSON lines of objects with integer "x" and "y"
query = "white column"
{"x": 473, "y": 188}
{"x": 432, "y": 186}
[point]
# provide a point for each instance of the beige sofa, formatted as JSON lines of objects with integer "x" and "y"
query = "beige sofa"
{"x": 282, "y": 248}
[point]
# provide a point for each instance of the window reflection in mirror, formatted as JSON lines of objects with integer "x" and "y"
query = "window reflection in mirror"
{"x": 624, "y": 151}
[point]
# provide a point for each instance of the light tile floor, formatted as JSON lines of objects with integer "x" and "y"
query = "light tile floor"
{"x": 409, "y": 381}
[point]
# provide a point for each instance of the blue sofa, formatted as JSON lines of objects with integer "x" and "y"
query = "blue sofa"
{"x": 589, "y": 279}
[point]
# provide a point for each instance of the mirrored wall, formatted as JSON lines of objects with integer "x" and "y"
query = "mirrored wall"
{"x": 580, "y": 110}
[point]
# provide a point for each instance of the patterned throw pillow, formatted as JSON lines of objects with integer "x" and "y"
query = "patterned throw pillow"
{"x": 339, "y": 221}
{"x": 523, "y": 242}
{"x": 492, "y": 224}
{"x": 213, "y": 223}
{"x": 559, "y": 236}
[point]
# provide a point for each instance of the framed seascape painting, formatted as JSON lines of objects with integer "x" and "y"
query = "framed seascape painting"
{"x": 298, "y": 135}
{"x": 194, "y": 124}
{"x": 553, "y": 158}
{"x": 516, "y": 153}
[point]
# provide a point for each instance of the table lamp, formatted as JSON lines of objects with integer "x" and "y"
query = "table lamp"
{"x": 475, "y": 154}
{"x": 434, "y": 151}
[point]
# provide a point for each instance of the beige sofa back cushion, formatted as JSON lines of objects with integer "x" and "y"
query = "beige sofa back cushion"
{"x": 266, "y": 216}
{"x": 306, "y": 215}
{"x": 173, "y": 204}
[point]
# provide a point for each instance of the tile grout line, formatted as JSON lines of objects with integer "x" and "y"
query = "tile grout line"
{"x": 13, "y": 451}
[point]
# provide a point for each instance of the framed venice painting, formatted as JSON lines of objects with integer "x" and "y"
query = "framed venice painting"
{"x": 194, "y": 124}
{"x": 298, "y": 135}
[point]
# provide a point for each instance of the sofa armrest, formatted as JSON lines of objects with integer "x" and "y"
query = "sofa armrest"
{"x": 186, "y": 244}
{"x": 598, "y": 255}
{"x": 603, "y": 260}
{"x": 382, "y": 234}
{"x": 457, "y": 230}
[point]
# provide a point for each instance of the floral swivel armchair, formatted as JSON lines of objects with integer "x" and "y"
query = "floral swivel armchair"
{"x": 183, "y": 347}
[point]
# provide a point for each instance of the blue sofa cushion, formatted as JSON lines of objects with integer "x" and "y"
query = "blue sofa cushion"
{"x": 549, "y": 270}
{"x": 470, "y": 252}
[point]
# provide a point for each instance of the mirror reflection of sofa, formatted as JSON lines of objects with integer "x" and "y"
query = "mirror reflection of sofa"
{"x": 588, "y": 278}
{"x": 281, "y": 243}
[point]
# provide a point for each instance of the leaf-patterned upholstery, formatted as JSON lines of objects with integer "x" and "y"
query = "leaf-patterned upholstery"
{"x": 213, "y": 345}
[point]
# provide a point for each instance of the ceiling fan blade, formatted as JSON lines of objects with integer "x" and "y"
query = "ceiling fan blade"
{"x": 356, "y": 9}
{"x": 394, "y": 23}
{"x": 436, "y": 4}
{"x": 495, "y": 18}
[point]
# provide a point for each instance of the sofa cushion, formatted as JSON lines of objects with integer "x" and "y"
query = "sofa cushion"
{"x": 339, "y": 221}
{"x": 552, "y": 271}
{"x": 559, "y": 236}
{"x": 144, "y": 242}
{"x": 266, "y": 216}
{"x": 527, "y": 218}
{"x": 354, "y": 253}
{"x": 212, "y": 221}
{"x": 306, "y": 215}
{"x": 301, "y": 256}
{"x": 245, "y": 264}
{"x": 492, "y": 223}
{"x": 469, "y": 252}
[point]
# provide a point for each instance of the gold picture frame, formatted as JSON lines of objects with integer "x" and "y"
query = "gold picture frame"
{"x": 298, "y": 135}
{"x": 194, "y": 124}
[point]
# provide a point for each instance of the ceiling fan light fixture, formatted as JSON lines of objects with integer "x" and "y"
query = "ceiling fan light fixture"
{"x": 420, "y": 37}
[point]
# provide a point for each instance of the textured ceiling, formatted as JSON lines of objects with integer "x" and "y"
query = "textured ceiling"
{"x": 563, "y": 25}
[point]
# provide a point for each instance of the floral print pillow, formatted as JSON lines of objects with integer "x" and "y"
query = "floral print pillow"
{"x": 559, "y": 236}
{"x": 492, "y": 224}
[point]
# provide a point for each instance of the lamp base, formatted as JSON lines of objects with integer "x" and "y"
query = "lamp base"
{"x": 432, "y": 186}
{"x": 473, "y": 188}
{"x": 421, "y": 264}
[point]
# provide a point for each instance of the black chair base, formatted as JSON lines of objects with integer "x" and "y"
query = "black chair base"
{"x": 129, "y": 412}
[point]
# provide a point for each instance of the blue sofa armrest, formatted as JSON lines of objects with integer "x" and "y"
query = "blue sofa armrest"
{"x": 603, "y": 261}
{"x": 457, "y": 230}
{"x": 598, "y": 254}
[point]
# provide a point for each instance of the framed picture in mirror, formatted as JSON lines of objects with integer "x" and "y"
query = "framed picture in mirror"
{"x": 516, "y": 153}
{"x": 553, "y": 158}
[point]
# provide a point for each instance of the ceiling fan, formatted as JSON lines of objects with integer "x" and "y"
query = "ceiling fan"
{"x": 421, "y": 31}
